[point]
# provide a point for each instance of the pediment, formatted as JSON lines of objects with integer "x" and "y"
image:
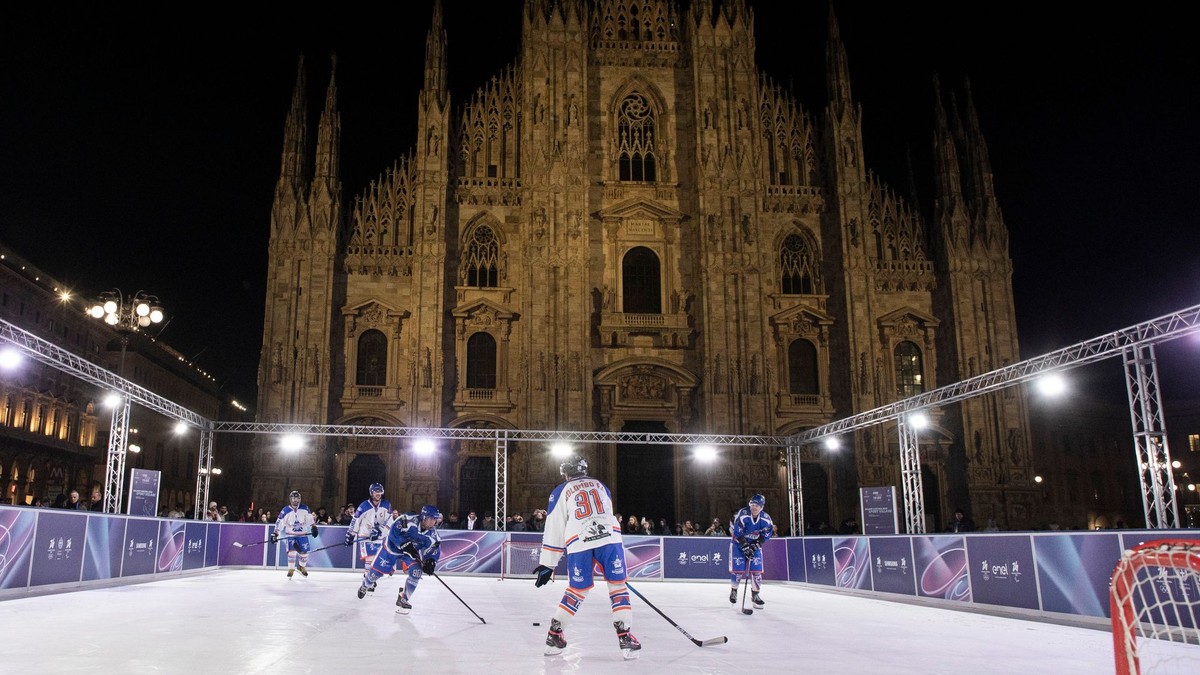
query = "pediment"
{"x": 908, "y": 315}
{"x": 640, "y": 208}
{"x": 801, "y": 314}
{"x": 374, "y": 305}
{"x": 482, "y": 306}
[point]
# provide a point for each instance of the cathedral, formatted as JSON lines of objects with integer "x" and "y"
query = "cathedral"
{"x": 631, "y": 228}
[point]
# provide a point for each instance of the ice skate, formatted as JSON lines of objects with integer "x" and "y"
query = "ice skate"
{"x": 733, "y": 596}
{"x": 290, "y": 573}
{"x": 758, "y": 602}
{"x": 364, "y": 589}
{"x": 629, "y": 644}
{"x": 402, "y": 604}
{"x": 303, "y": 572}
{"x": 555, "y": 642}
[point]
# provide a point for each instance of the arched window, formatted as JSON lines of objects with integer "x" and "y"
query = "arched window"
{"x": 640, "y": 283}
{"x": 372, "y": 359}
{"x": 481, "y": 361}
{"x": 909, "y": 381}
{"x": 802, "y": 367}
{"x": 796, "y": 263}
{"x": 480, "y": 258}
{"x": 635, "y": 140}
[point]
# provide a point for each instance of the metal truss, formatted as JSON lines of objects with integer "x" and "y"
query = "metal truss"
{"x": 1150, "y": 438}
{"x": 795, "y": 490}
{"x": 204, "y": 475}
{"x": 118, "y": 439}
{"x": 910, "y": 477}
{"x": 501, "y": 481}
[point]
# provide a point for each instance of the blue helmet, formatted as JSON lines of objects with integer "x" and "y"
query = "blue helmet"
{"x": 375, "y": 487}
{"x": 759, "y": 499}
{"x": 431, "y": 511}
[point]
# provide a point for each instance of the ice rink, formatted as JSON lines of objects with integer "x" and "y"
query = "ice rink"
{"x": 256, "y": 621}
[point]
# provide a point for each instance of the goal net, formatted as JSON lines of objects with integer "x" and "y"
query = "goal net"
{"x": 518, "y": 558}
{"x": 1155, "y": 601}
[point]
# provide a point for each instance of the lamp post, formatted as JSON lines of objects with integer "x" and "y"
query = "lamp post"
{"x": 125, "y": 315}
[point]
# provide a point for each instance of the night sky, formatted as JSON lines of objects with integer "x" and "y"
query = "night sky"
{"x": 141, "y": 153}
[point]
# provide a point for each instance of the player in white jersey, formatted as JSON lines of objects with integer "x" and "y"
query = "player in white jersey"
{"x": 368, "y": 524}
{"x": 751, "y": 527}
{"x": 581, "y": 524}
{"x": 295, "y": 524}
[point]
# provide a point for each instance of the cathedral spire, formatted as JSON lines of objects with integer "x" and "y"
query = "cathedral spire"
{"x": 329, "y": 132}
{"x": 435, "y": 58}
{"x": 291, "y": 171}
{"x": 837, "y": 76}
{"x": 981, "y": 168}
{"x": 948, "y": 206}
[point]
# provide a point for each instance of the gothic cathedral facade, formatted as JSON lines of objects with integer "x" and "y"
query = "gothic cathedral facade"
{"x": 630, "y": 228}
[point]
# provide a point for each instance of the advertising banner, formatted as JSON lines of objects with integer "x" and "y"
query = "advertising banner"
{"x": 338, "y": 556}
{"x": 58, "y": 551}
{"x": 143, "y": 492}
{"x": 250, "y": 535}
{"x": 892, "y": 568}
{"x": 195, "y": 532}
{"x": 878, "y": 506}
{"x": 643, "y": 557}
{"x": 471, "y": 551}
{"x": 818, "y": 561}
{"x": 1074, "y": 570}
{"x": 170, "y": 546}
{"x": 140, "y": 548}
{"x": 1002, "y": 570}
{"x": 16, "y": 546}
{"x": 696, "y": 557}
{"x": 941, "y": 567}
{"x": 795, "y": 556}
{"x": 211, "y": 543}
{"x": 105, "y": 536}
{"x": 775, "y": 562}
{"x": 852, "y": 562}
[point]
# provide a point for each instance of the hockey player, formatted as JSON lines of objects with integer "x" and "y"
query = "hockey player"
{"x": 581, "y": 524}
{"x": 413, "y": 544}
{"x": 750, "y": 528}
{"x": 372, "y": 516}
{"x": 295, "y": 524}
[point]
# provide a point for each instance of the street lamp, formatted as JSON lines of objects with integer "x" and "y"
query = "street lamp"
{"x": 126, "y": 315}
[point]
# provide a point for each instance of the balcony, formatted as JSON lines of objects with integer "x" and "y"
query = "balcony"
{"x": 801, "y": 405}
{"x": 477, "y": 400}
{"x": 668, "y": 330}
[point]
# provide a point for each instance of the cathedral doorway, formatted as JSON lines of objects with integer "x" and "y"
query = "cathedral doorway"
{"x": 645, "y": 484}
{"x": 931, "y": 493}
{"x": 364, "y": 470}
{"x": 477, "y": 486}
{"x": 816, "y": 497}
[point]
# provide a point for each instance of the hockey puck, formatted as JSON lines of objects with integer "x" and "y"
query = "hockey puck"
{"x": 536, "y": 623}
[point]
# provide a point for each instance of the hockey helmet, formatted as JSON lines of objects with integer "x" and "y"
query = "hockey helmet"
{"x": 294, "y": 496}
{"x": 431, "y": 511}
{"x": 573, "y": 466}
{"x": 375, "y": 487}
{"x": 760, "y": 500}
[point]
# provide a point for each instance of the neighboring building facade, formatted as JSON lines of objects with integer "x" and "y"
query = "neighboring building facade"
{"x": 631, "y": 228}
{"x": 53, "y": 426}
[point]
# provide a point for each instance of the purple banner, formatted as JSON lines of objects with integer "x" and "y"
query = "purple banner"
{"x": 1074, "y": 570}
{"x": 643, "y": 557}
{"x": 892, "y": 568}
{"x": 696, "y": 557}
{"x": 140, "y": 548}
{"x": 795, "y": 555}
{"x": 1002, "y": 570}
{"x": 105, "y": 536}
{"x": 16, "y": 546}
{"x": 878, "y": 510}
{"x": 143, "y": 492}
{"x": 818, "y": 561}
{"x": 471, "y": 551}
{"x": 775, "y": 560}
{"x": 251, "y": 536}
{"x": 941, "y": 567}
{"x": 338, "y": 555}
{"x": 212, "y": 539}
{"x": 193, "y": 544}
{"x": 170, "y": 546}
{"x": 58, "y": 550}
{"x": 852, "y": 562}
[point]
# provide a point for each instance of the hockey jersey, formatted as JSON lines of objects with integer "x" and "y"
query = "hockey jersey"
{"x": 294, "y": 522}
{"x": 746, "y": 528}
{"x": 406, "y": 536}
{"x": 580, "y": 518}
{"x": 368, "y": 517}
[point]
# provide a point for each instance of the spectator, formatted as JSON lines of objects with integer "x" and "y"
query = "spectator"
{"x": 472, "y": 522}
{"x": 60, "y": 500}
{"x": 323, "y": 517}
{"x": 247, "y": 516}
{"x": 162, "y": 511}
{"x": 347, "y": 515}
{"x": 265, "y": 517}
{"x": 38, "y": 503}
{"x": 212, "y": 513}
{"x": 647, "y": 526}
{"x": 97, "y": 503}
{"x": 452, "y": 522}
{"x": 993, "y": 527}
{"x": 689, "y": 530}
{"x": 73, "y": 503}
{"x": 176, "y": 512}
{"x": 518, "y": 524}
{"x": 225, "y": 515}
{"x": 716, "y": 529}
{"x": 538, "y": 522}
{"x": 663, "y": 528}
{"x": 960, "y": 523}
{"x": 633, "y": 525}
{"x": 489, "y": 522}
{"x": 849, "y": 526}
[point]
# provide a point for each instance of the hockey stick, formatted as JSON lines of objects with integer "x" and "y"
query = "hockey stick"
{"x": 699, "y": 643}
{"x": 746, "y": 591}
{"x": 238, "y": 544}
{"x": 464, "y": 602}
{"x": 339, "y": 544}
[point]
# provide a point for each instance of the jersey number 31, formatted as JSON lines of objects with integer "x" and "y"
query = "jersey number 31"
{"x": 588, "y": 503}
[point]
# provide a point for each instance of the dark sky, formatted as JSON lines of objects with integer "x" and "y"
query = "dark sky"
{"x": 141, "y": 153}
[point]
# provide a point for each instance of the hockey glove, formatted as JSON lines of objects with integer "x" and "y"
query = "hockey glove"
{"x": 748, "y": 550}
{"x": 314, "y": 529}
{"x": 349, "y": 540}
{"x": 376, "y": 534}
{"x": 427, "y": 566}
{"x": 274, "y": 537}
{"x": 543, "y": 575}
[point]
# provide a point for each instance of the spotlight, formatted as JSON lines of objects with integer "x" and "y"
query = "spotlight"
{"x": 424, "y": 446}
{"x": 918, "y": 420}
{"x": 9, "y": 358}
{"x": 705, "y": 453}
{"x": 112, "y": 399}
{"x": 291, "y": 442}
{"x": 561, "y": 450}
{"x": 181, "y": 428}
{"x": 1051, "y": 384}
{"x": 833, "y": 443}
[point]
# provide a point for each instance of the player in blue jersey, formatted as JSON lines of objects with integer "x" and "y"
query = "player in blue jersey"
{"x": 295, "y": 524}
{"x": 372, "y": 516}
{"x": 751, "y": 527}
{"x": 412, "y": 544}
{"x": 581, "y": 524}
